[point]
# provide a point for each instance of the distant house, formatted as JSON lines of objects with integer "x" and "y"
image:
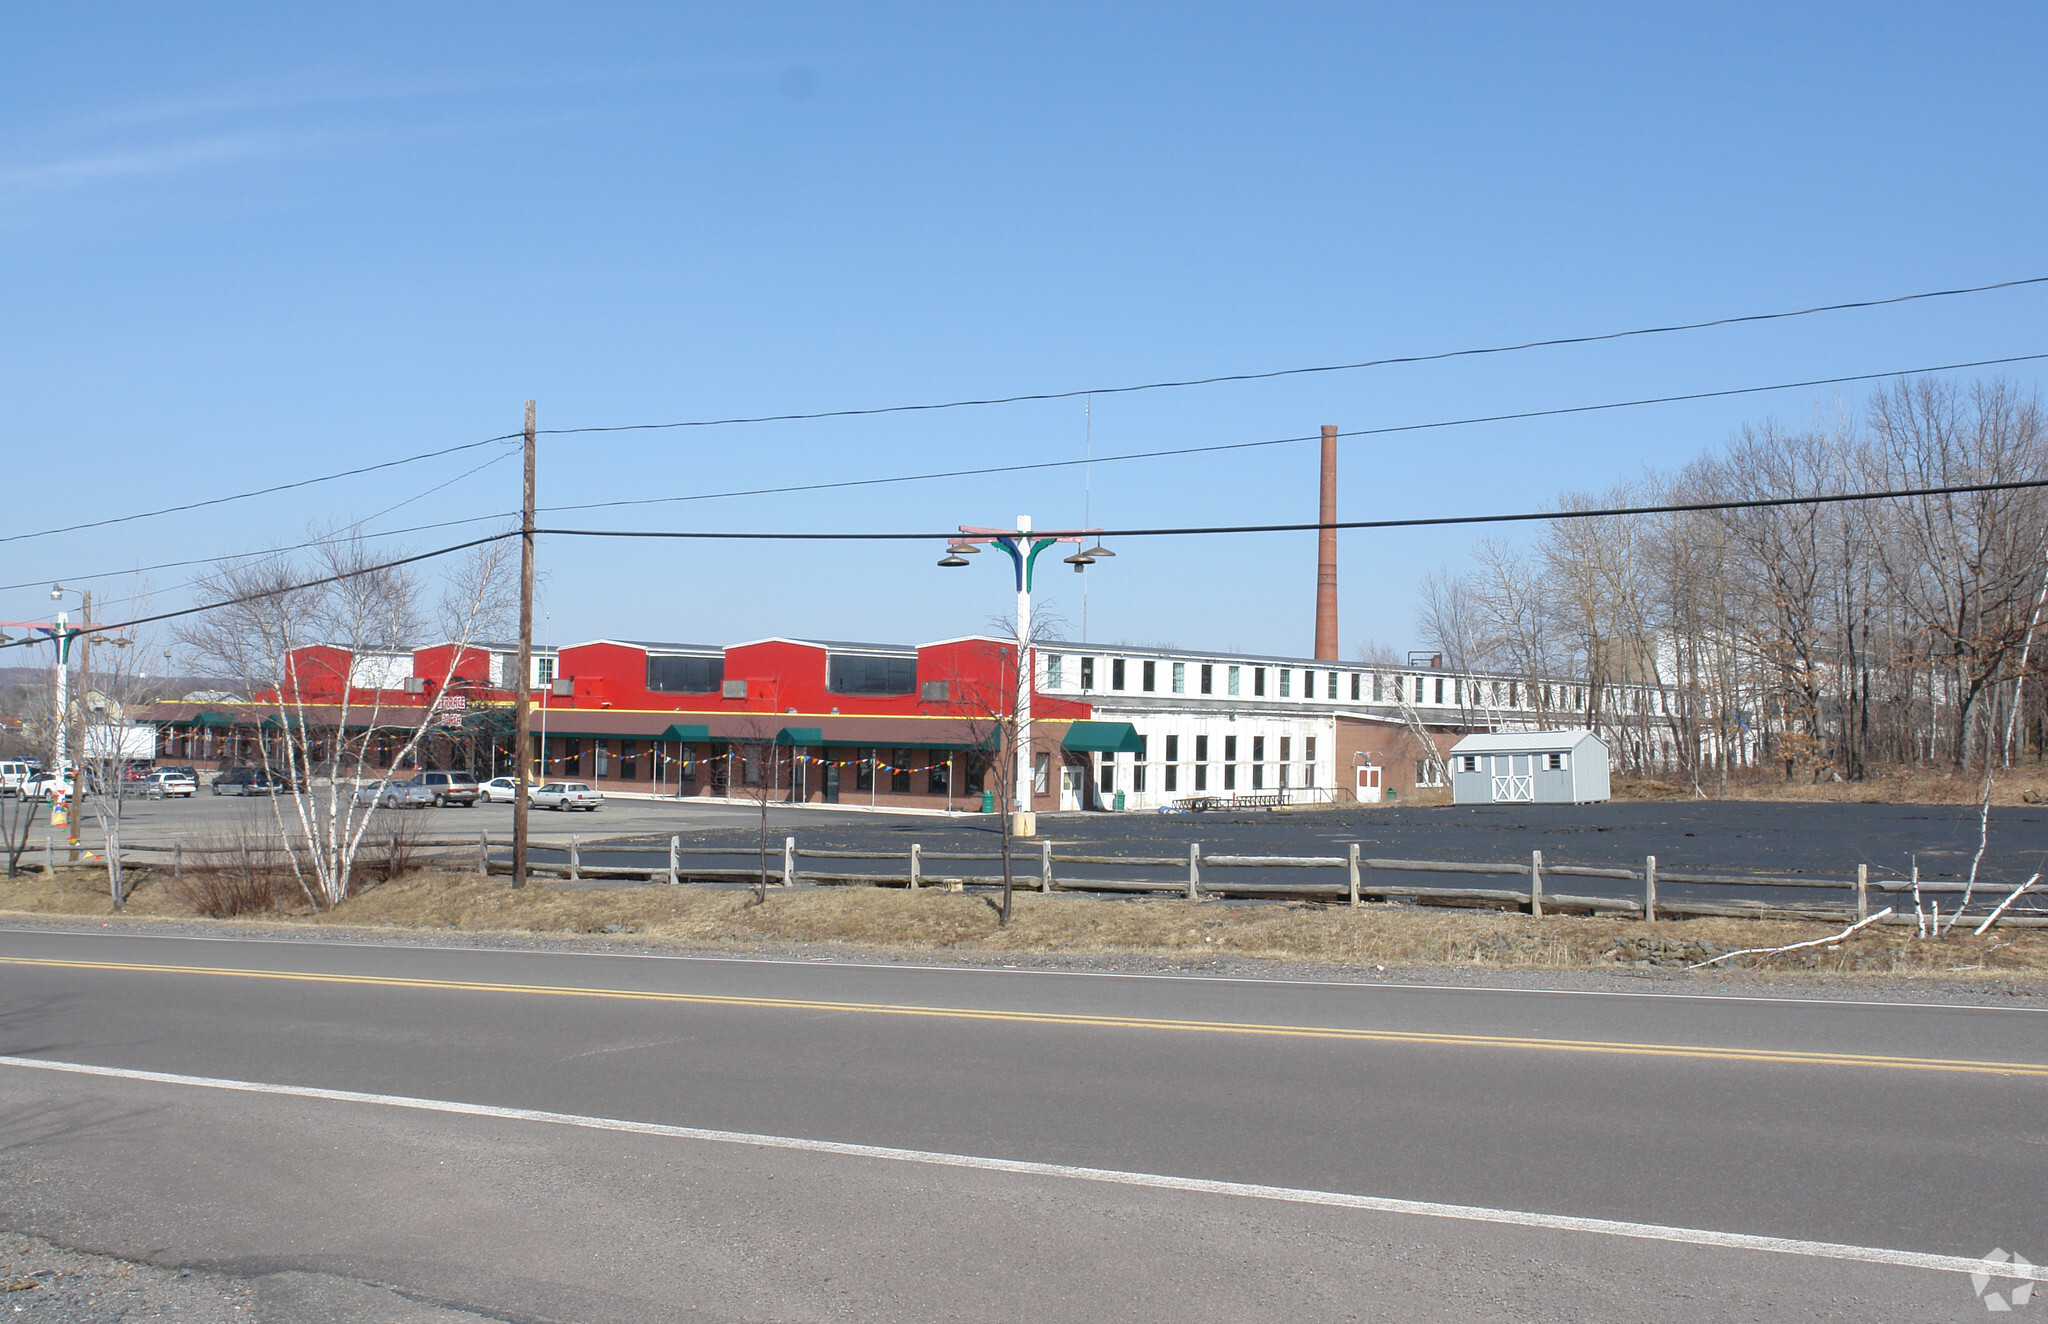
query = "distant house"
{"x": 1529, "y": 767}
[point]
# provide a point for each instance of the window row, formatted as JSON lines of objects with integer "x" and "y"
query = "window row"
{"x": 1238, "y": 680}
{"x": 1282, "y": 769}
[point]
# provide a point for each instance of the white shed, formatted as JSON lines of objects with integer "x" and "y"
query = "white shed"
{"x": 1529, "y": 767}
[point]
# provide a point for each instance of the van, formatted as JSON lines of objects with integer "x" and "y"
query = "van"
{"x": 14, "y": 776}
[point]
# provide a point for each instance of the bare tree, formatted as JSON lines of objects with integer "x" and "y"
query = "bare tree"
{"x": 330, "y": 711}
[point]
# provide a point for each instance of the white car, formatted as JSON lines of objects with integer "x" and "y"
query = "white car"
{"x": 164, "y": 785}
{"x": 505, "y": 789}
{"x": 567, "y": 795}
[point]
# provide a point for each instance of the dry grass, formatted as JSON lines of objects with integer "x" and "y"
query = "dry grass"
{"x": 2024, "y": 784}
{"x": 879, "y": 919}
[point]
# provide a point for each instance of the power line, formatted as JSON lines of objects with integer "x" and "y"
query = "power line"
{"x": 1668, "y": 508}
{"x": 288, "y": 588}
{"x": 244, "y": 496}
{"x": 1672, "y": 508}
{"x": 1323, "y": 368}
{"x": 1288, "y": 441}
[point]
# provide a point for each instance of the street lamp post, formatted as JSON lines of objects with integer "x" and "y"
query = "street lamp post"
{"x": 1023, "y": 547}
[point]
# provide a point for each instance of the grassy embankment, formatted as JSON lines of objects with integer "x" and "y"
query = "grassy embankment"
{"x": 935, "y": 921}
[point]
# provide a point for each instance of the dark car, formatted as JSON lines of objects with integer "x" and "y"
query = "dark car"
{"x": 250, "y": 781}
{"x": 450, "y": 788}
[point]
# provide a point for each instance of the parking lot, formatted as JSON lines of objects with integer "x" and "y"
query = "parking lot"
{"x": 1822, "y": 841}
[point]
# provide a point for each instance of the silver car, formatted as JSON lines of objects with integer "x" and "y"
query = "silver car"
{"x": 567, "y": 795}
{"x": 395, "y": 795}
{"x": 501, "y": 788}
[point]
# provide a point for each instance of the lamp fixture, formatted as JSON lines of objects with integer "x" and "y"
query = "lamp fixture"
{"x": 952, "y": 558}
{"x": 1097, "y": 552}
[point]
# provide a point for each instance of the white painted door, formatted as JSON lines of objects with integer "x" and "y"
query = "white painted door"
{"x": 1070, "y": 788}
{"x": 1514, "y": 778}
{"x": 1369, "y": 789}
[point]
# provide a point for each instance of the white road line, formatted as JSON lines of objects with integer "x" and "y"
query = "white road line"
{"x": 400, "y": 942}
{"x": 1826, "y": 1250}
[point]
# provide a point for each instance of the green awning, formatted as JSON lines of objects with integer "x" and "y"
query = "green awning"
{"x": 213, "y": 719}
{"x": 806, "y": 736}
{"x": 293, "y": 722}
{"x": 1102, "y": 738}
{"x": 686, "y": 735}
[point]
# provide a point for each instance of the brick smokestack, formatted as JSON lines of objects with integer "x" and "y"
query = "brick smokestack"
{"x": 1326, "y": 553}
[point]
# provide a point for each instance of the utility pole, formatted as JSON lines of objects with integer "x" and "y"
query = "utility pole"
{"x": 80, "y": 760}
{"x": 522, "y": 700}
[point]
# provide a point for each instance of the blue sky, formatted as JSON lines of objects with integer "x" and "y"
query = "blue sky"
{"x": 247, "y": 245}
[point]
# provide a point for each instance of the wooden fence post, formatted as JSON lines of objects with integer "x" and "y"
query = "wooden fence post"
{"x": 483, "y": 854}
{"x": 1045, "y": 864}
{"x": 789, "y": 861}
{"x": 1862, "y": 892}
{"x": 675, "y": 850}
{"x": 1536, "y": 883}
{"x": 916, "y": 865}
{"x": 177, "y": 861}
{"x": 575, "y": 860}
{"x": 1354, "y": 875}
{"x": 1194, "y": 870}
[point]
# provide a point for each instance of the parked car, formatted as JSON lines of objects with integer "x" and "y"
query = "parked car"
{"x": 504, "y": 789}
{"x": 14, "y": 776}
{"x": 250, "y": 781}
{"x": 567, "y": 795}
{"x": 451, "y": 788}
{"x": 165, "y": 783}
{"x": 394, "y": 795}
{"x": 183, "y": 770}
{"x": 51, "y": 786}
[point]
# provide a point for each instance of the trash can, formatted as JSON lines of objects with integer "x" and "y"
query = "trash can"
{"x": 988, "y": 802}
{"x": 1119, "y": 802}
{"x": 1393, "y": 794}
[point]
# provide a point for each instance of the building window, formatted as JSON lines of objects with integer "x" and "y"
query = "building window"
{"x": 1151, "y": 676}
{"x": 1471, "y": 763}
{"x": 1258, "y": 763}
{"x": 939, "y": 775}
{"x": 856, "y": 673}
{"x": 864, "y": 771}
{"x": 1116, "y": 674}
{"x": 1555, "y": 762}
{"x": 899, "y": 773}
{"x": 1230, "y": 776}
{"x": 1087, "y": 673}
{"x": 1397, "y": 687}
{"x": 1180, "y": 678}
{"x": 1041, "y": 774}
{"x": 544, "y": 670}
{"x": 1458, "y": 693}
{"x": 1333, "y": 685}
{"x": 1258, "y": 681}
{"x": 1286, "y": 748}
{"x": 1308, "y": 686}
{"x": 1230, "y": 763}
{"x": 1514, "y": 694}
{"x": 1201, "y": 749}
{"x": 1172, "y": 778}
{"x": 1356, "y": 679}
{"x": 1173, "y": 749}
{"x": 1201, "y": 776}
{"x": 1425, "y": 773}
{"x": 572, "y": 758}
{"x": 1439, "y": 689}
{"x": 1138, "y": 764}
{"x": 1230, "y": 685}
{"x": 1052, "y": 671}
{"x": 685, "y": 675}
{"x": 1308, "y": 754}
{"x": 629, "y": 760}
{"x": 1208, "y": 678}
{"x": 1109, "y": 774}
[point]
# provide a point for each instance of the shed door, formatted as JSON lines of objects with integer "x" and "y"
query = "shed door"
{"x": 1369, "y": 788}
{"x": 1514, "y": 777}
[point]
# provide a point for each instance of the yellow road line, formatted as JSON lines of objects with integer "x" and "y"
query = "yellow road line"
{"x": 1700, "y": 1051}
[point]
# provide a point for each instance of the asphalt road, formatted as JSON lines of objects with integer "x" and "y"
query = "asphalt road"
{"x": 1892, "y": 1128}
